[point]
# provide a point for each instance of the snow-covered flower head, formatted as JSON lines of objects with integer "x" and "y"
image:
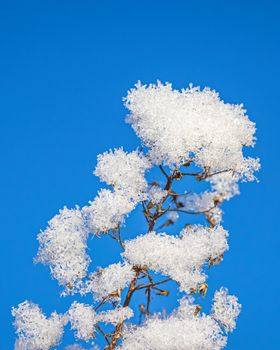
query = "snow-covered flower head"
{"x": 83, "y": 320}
{"x": 172, "y": 216}
{"x": 115, "y": 316}
{"x": 74, "y": 347}
{"x": 125, "y": 171}
{"x": 108, "y": 210}
{"x": 108, "y": 281}
{"x": 225, "y": 309}
{"x": 182, "y": 257}
{"x": 182, "y": 330}
{"x": 63, "y": 246}
{"x": 34, "y": 330}
{"x": 191, "y": 124}
{"x": 79, "y": 347}
{"x": 225, "y": 184}
{"x": 156, "y": 194}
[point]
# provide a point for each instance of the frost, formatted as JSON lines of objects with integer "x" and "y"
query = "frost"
{"x": 156, "y": 194}
{"x": 172, "y": 216}
{"x": 226, "y": 309}
{"x": 108, "y": 281}
{"x": 34, "y": 330}
{"x": 225, "y": 184}
{"x": 200, "y": 202}
{"x": 191, "y": 124}
{"x": 205, "y": 202}
{"x": 79, "y": 347}
{"x": 74, "y": 347}
{"x": 182, "y": 330}
{"x": 124, "y": 171}
{"x": 181, "y": 258}
{"x": 83, "y": 320}
{"x": 63, "y": 246}
{"x": 115, "y": 316}
{"x": 108, "y": 210}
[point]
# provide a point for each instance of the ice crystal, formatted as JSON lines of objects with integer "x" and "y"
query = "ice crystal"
{"x": 125, "y": 171}
{"x": 181, "y": 258}
{"x": 226, "y": 309}
{"x": 182, "y": 330}
{"x": 156, "y": 194}
{"x": 205, "y": 203}
{"x": 63, "y": 246}
{"x": 191, "y": 124}
{"x": 225, "y": 184}
{"x": 172, "y": 216}
{"x": 83, "y": 320}
{"x": 109, "y": 280}
{"x": 115, "y": 316}
{"x": 34, "y": 330}
{"x": 108, "y": 210}
{"x": 79, "y": 347}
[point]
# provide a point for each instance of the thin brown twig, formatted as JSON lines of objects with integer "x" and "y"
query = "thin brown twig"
{"x": 192, "y": 212}
{"x": 102, "y": 332}
{"x": 164, "y": 172}
{"x": 153, "y": 284}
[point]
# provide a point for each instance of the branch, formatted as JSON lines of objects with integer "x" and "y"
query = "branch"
{"x": 104, "y": 335}
{"x": 164, "y": 172}
{"x": 151, "y": 285}
{"x": 192, "y": 212}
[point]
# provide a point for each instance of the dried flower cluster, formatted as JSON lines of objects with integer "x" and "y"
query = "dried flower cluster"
{"x": 187, "y": 134}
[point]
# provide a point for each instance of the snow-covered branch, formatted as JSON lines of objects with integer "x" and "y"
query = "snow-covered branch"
{"x": 186, "y": 136}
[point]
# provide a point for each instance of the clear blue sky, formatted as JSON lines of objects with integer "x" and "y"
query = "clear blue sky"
{"x": 64, "y": 68}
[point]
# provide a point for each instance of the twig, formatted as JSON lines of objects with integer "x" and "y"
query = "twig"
{"x": 192, "y": 212}
{"x": 164, "y": 172}
{"x": 150, "y": 285}
{"x": 104, "y": 335}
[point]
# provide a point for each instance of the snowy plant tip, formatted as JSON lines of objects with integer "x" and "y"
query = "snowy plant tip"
{"x": 181, "y": 258}
{"x": 108, "y": 281}
{"x": 108, "y": 210}
{"x": 63, "y": 246}
{"x": 83, "y": 320}
{"x": 185, "y": 328}
{"x": 79, "y": 347}
{"x": 226, "y": 309}
{"x": 116, "y": 316}
{"x": 124, "y": 171}
{"x": 34, "y": 330}
{"x": 191, "y": 124}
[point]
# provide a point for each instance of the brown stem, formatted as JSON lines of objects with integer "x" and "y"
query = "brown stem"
{"x": 118, "y": 329}
{"x": 192, "y": 212}
{"x": 152, "y": 213}
{"x": 152, "y": 284}
{"x": 164, "y": 172}
{"x": 100, "y": 304}
{"x": 148, "y": 291}
{"x": 101, "y": 331}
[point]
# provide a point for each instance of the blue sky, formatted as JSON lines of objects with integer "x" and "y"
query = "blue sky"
{"x": 64, "y": 68}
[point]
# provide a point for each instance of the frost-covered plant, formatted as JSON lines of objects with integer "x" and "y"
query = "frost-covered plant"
{"x": 188, "y": 135}
{"x": 63, "y": 246}
{"x": 35, "y": 331}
